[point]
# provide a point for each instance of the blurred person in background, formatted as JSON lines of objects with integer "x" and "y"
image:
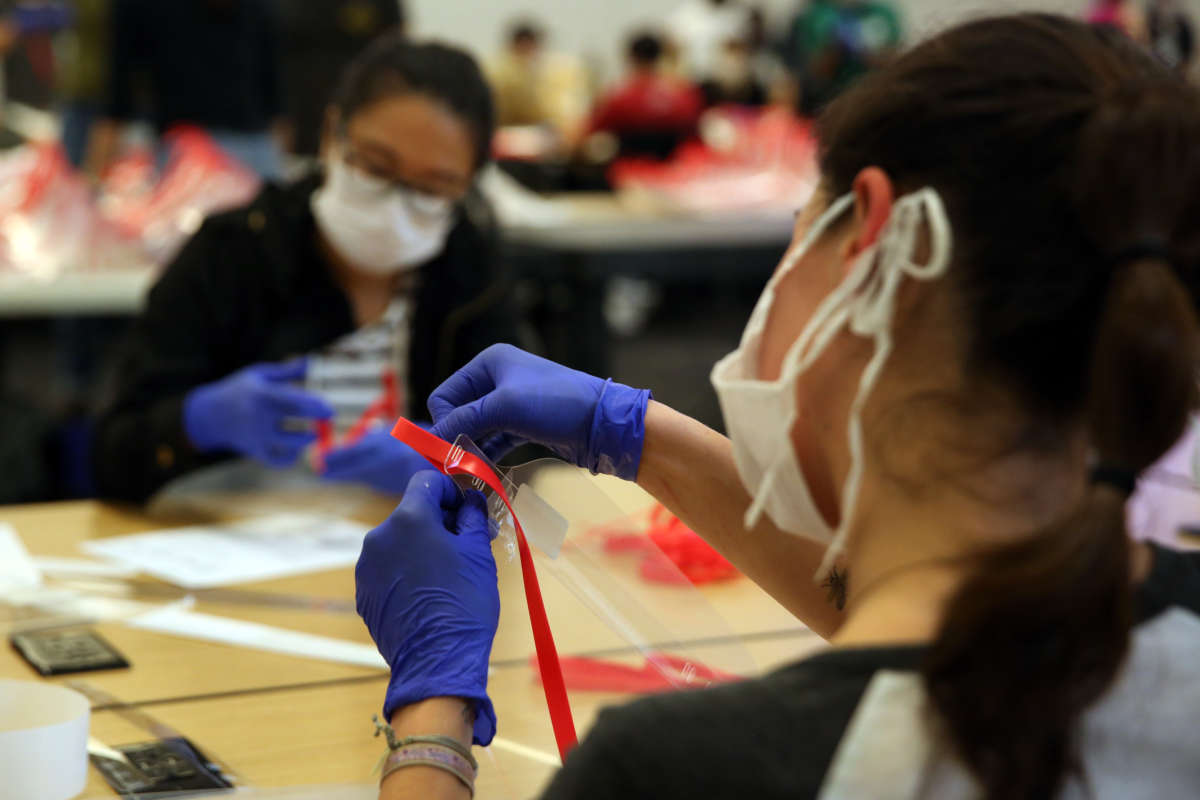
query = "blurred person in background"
{"x": 537, "y": 86}
{"x": 382, "y": 263}
{"x": 10, "y": 29}
{"x": 734, "y": 79}
{"x": 209, "y": 63}
{"x": 83, "y": 81}
{"x": 1172, "y": 36}
{"x": 29, "y": 24}
{"x": 700, "y": 31}
{"x": 320, "y": 37}
{"x": 1124, "y": 15}
{"x": 832, "y": 43}
{"x": 650, "y": 111}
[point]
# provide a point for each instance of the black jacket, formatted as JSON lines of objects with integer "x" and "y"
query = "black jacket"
{"x": 250, "y": 287}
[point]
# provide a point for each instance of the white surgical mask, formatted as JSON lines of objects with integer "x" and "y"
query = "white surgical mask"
{"x": 376, "y": 226}
{"x": 760, "y": 415}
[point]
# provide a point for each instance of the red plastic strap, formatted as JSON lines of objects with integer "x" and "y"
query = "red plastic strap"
{"x": 384, "y": 408}
{"x": 550, "y": 668}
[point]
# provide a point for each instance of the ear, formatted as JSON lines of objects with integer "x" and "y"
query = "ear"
{"x": 874, "y": 195}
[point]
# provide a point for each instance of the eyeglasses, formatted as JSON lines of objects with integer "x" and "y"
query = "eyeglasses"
{"x": 419, "y": 201}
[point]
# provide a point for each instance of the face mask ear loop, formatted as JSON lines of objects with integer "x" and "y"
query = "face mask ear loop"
{"x": 829, "y": 318}
{"x": 877, "y": 318}
{"x": 883, "y": 348}
{"x": 755, "y": 511}
{"x": 792, "y": 258}
{"x": 826, "y": 320}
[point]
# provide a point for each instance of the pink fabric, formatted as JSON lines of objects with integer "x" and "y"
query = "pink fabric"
{"x": 1106, "y": 12}
{"x": 1167, "y": 497}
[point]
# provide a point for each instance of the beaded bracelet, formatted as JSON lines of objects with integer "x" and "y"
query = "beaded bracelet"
{"x": 448, "y": 742}
{"x": 431, "y": 755}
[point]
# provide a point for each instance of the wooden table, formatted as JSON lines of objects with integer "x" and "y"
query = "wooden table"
{"x": 285, "y": 721}
{"x": 323, "y": 735}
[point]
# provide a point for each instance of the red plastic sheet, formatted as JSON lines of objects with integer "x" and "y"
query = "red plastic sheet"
{"x": 661, "y": 672}
{"x": 666, "y": 542}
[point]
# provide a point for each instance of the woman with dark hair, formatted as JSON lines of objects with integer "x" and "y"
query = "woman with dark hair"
{"x": 310, "y": 302}
{"x": 985, "y": 332}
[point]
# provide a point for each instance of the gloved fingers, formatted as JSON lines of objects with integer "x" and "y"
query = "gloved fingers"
{"x": 344, "y": 471}
{"x": 283, "y": 450}
{"x": 498, "y": 445}
{"x": 354, "y": 458}
{"x": 473, "y": 420}
{"x": 471, "y": 520}
{"x": 458, "y": 390}
{"x": 475, "y": 380}
{"x": 284, "y": 372}
{"x": 288, "y": 402}
{"x": 431, "y": 494}
{"x": 292, "y": 441}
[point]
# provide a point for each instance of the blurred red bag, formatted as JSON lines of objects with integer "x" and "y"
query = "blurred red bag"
{"x": 749, "y": 161}
{"x": 163, "y": 211}
{"x": 48, "y": 224}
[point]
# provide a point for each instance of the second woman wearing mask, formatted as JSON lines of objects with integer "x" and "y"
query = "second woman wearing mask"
{"x": 295, "y": 308}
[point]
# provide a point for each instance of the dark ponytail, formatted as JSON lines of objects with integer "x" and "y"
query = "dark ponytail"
{"x": 1040, "y": 631}
{"x": 1070, "y": 166}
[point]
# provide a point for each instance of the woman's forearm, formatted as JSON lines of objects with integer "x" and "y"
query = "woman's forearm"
{"x": 438, "y": 716}
{"x": 689, "y": 468}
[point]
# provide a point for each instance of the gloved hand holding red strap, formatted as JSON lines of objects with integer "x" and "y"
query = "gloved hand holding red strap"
{"x": 438, "y": 452}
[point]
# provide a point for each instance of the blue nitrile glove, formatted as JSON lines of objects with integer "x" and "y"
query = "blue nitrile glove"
{"x": 255, "y": 412}
{"x": 377, "y": 460}
{"x": 506, "y": 397}
{"x": 426, "y": 587}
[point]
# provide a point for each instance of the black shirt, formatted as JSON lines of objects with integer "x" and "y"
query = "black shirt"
{"x": 777, "y": 736}
{"x": 212, "y": 63}
{"x": 250, "y": 287}
{"x": 1174, "y": 581}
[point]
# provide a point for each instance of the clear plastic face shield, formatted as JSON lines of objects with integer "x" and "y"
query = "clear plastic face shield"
{"x": 617, "y": 630}
{"x": 760, "y": 415}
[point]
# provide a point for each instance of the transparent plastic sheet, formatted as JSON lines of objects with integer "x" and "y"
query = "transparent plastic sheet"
{"x": 617, "y": 635}
{"x": 669, "y": 626}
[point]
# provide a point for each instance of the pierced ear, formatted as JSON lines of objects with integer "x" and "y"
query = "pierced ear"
{"x": 874, "y": 195}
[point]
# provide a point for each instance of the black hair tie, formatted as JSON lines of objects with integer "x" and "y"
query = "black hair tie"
{"x": 1120, "y": 478}
{"x": 1150, "y": 248}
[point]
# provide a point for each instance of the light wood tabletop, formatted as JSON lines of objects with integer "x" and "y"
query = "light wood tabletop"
{"x": 323, "y": 735}
{"x": 281, "y": 720}
{"x": 168, "y": 667}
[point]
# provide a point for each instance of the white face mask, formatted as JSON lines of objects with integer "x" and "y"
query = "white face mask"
{"x": 760, "y": 414}
{"x": 376, "y": 226}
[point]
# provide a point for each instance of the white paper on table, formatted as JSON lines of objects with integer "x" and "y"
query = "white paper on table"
{"x": 208, "y": 627}
{"x": 70, "y": 607}
{"x": 54, "y": 567}
{"x": 204, "y": 556}
{"x": 17, "y": 570}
